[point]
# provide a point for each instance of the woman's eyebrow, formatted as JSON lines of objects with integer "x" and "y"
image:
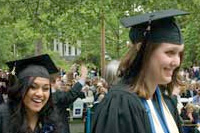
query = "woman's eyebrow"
{"x": 175, "y": 48}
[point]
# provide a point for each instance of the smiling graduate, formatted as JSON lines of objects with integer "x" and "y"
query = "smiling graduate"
{"x": 136, "y": 104}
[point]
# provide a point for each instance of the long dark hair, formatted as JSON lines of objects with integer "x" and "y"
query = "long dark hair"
{"x": 16, "y": 92}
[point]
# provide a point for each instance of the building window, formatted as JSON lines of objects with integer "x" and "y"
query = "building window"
{"x": 65, "y": 48}
{"x": 69, "y": 50}
{"x": 57, "y": 47}
{"x": 76, "y": 51}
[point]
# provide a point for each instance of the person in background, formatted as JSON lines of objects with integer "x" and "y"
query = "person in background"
{"x": 93, "y": 86}
{"x": 196, "y": 70}
{"x": 178, "y": 89}
{"x": 196, "y": 98}
{"x": 101, "y": 92}
{"x": 193, "y": 87}
{"x": 63, "y": 99}
{"x": 93, "y": 73}
{"x": 3, "y": 86}
{"x": 111, "y": 73}
{"x": 56, "y": 84}
{"x": 136, "y": 104}
{"x": 191, "y": 90}
{"x": 89, "y": 97}
{"x": 189, "y": 116}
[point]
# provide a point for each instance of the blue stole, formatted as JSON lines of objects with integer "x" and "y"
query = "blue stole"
{"x": 162, "y": 122}
{"x": 47, "y": 128}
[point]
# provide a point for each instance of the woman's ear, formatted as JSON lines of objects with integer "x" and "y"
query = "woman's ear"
{"x": 138, "y": 46}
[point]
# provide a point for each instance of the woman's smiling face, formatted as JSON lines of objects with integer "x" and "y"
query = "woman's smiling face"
{"x": 37, "y": 95}
{"x": 163, "y": 61}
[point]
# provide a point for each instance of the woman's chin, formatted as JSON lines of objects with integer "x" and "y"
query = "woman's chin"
{"x": 166, "y": 80}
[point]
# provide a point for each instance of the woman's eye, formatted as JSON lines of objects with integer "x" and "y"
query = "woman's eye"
{"x": 46, "y": 89}
{"x": 33, "y": 87}
{"x": 170, "y": 52}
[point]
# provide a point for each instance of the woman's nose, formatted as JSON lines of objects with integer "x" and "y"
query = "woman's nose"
{"x": 39, "y": 92}
{"x": 176, "y": 61}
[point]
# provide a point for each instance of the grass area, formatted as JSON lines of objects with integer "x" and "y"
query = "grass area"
{"x": 77, "y": 126}
{"x": 76, "y": 121}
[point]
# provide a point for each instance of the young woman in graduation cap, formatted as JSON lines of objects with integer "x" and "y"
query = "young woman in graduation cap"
{"x": 136, "y": 104}
{"x": 31, "y": 106}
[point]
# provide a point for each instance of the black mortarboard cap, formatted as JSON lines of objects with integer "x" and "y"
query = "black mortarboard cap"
{"x": 161, "y": 24}
{"x": 37, "y": 66}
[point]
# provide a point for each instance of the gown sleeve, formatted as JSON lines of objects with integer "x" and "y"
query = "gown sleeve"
{"x": 120, "y": 112}
{"x": 62, "y": 98}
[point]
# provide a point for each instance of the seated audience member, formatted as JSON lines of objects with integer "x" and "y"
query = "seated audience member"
{"x": 196, "y": 99}
{"x": 189, "y": 117}
{"x": 101, "y": 91}
{"x": 177, "y": 91}
{"x": 190, "y": 90}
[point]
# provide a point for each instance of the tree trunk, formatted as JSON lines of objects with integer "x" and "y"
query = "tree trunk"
{"x": 38, "y": 46}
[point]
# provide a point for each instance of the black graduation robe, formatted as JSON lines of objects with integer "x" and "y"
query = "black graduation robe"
{"x": 62, "y": 100}
{"x": 1, "y": 98}
{"x": 123, "y": 112}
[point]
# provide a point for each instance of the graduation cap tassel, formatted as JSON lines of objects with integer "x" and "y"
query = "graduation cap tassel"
{"x": 148, "y": 29}
{"x": 13, "y": 71}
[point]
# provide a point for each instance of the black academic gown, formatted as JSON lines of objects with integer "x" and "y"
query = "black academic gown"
{"x": 62, "y": 100}
{"x": 4, "y": 118}
{"x": 1, "y": 98}
{"x": 1, "y": 94}
{"x": 123, "y": 112}
{"x": 5, "y": 123}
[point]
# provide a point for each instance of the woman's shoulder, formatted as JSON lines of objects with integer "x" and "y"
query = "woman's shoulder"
{"x": 169, "y": 99}
{"x": 122, "y": 90}
{"x": 170, "y": 103}
{"x": 119, "y": 109}
{"x": 119, "y": 97}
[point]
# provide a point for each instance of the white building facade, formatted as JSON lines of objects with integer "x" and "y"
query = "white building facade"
{"x": 66, "y": 50}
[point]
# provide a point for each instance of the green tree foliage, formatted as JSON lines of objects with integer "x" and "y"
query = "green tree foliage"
{"x": 30, "y": 25}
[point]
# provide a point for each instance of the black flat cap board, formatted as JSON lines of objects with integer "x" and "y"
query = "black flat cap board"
{"x": 144, "y": 18}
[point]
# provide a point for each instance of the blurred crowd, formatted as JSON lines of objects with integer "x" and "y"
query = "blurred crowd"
{"x": 3, "y": 84}
{"x": 188, "y": 99}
